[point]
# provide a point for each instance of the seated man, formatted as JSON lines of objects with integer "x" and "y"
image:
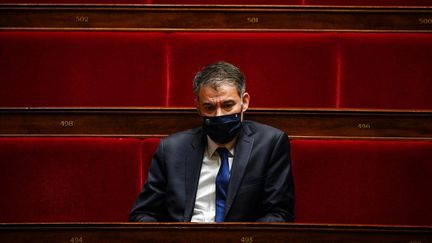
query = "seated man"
{"x": 227, "y": 169}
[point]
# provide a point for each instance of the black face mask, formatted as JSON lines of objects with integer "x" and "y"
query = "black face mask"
{"x": 222, "y": 129}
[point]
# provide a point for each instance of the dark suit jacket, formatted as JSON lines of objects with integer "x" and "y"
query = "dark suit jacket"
{"x": 260, "y": 188}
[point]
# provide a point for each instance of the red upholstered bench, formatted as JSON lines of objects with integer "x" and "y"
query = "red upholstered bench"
{"x": 303, "y": 2}
{"x": 386, "y": 71}
{"x": 79, "y": 1}
{"x": 312, "y": 70}
{"x": 97, "y": 179}
{"x": 237, "y": 2}
{"x": 240, "y": 2}
{"x": 282, "y": 69}
{"x": 369, "y": 2}
{"x": 143, "y": 69}
{"x": 71, "y": 179}
{"x": 149, "y": 146}
{"x": 363, "y": 182}
{"x": 82, "y": 69}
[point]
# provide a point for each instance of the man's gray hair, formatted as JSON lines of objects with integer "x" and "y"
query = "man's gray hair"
{"x": 217, "y": 74}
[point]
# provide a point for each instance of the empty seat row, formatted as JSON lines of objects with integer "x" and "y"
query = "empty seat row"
{"x": 71, "y": 179}
{"x": 291, "y": 69}
{"x": 362, "y": 181}
{"x": 241, "y": 2}
{"x": 97, "y": 179}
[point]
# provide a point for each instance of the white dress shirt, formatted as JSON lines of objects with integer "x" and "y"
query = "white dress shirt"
{"x": 205, "y": 205}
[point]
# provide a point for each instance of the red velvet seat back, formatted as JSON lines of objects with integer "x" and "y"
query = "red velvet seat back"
{"x": 97, "y": 179}
{"x": 363, "y": 182}
{"x": 369, "y": 2}
{"x": 304, "y": 2}
{"x": 82, "y": 69}
{"x": 149, "y": 146}
{"x": 386, "y": 71}
{"x": 229, "y": 2}
{"x": 282, "y": 69}
{"x": 240, "y": 2}
{"x": 79, "y": 1}
{"x": 70, "y": 179}
{"x": 313, "y": 70}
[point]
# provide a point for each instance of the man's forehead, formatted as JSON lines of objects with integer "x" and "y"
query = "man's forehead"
{"x": 213, "y": 97}
{"x": 221, "y": 101}
{"x": 222, "y": 89}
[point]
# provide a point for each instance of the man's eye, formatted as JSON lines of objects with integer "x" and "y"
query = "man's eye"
{"x": 209, "y": 107}
{"x": 228, "y": 106}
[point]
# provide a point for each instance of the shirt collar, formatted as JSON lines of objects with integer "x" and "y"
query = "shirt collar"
{"x": 212, "y": 146}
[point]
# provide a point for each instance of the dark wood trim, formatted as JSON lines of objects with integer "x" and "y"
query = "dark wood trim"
{"x": 214, "y": 18}
{"x": 221, "y": 232}
{"x": 157, "y": 122}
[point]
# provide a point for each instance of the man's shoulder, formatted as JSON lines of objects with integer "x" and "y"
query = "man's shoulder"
{"x": 257, "y": 127}
{"x": 184, "y": 136}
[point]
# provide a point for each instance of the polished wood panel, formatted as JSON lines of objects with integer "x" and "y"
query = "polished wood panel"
{"x": 214, "y": 18}
{"x": 157, "y": 122}
{"x": 221, "y": 232}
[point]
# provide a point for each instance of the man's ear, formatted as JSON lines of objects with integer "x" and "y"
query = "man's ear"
{"x": 245, "y": 101}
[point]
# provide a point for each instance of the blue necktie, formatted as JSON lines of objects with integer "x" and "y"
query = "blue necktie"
{"x": 222, "y": 180}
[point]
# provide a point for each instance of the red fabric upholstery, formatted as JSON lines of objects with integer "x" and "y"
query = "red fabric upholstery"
{"x": 363, "y": 182}
{"x": 82, "y": 69}
{"x": 369, "y": 2}
{"x": 149, "y": 146}
{"x": 313, "y": 70}
{"x": 386, "y": 71}
{"x": 97, "y": 179}
{"x": 68, "y": 179}
{"x": 282, "y": 69}
{"x": 79, "y": 1}
{"x": 238, "y": 2}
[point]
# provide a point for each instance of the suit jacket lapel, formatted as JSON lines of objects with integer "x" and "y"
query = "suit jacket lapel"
{"x": 241, "y": 159}
{"x": 193, "y": 162}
